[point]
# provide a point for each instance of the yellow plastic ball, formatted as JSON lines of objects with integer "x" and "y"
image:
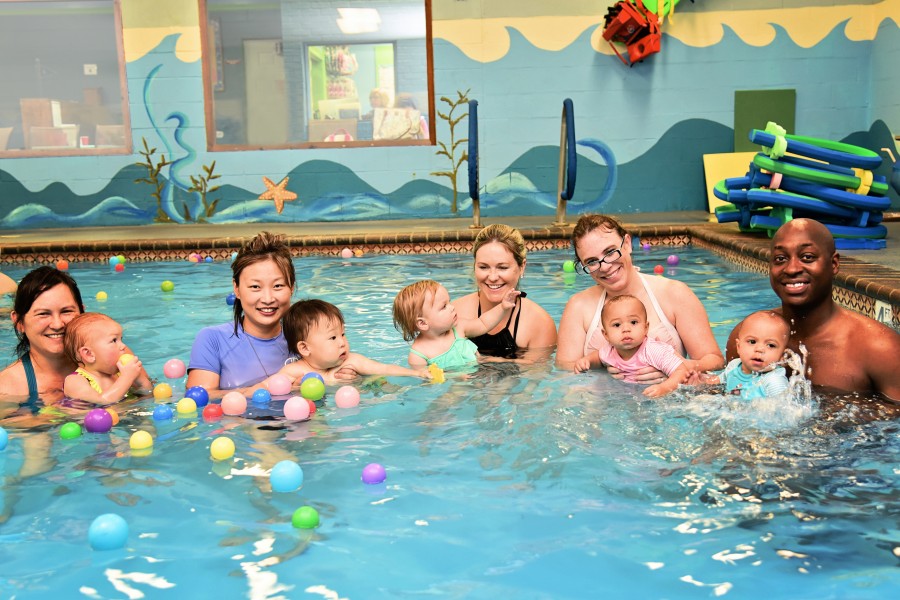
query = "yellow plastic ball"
{"x": 101, "y": 296}
{"x": 126, "y": 358}
{"x": 222, "y": 448}
{"x": 141, "y": 440}
{"x": 162, "y": 391}
{"x": 186, "y": 406}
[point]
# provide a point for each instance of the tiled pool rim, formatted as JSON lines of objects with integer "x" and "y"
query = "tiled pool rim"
{"x": 865, "y": 287}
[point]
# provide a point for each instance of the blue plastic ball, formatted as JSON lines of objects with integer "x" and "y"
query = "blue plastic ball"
{"x": 113, "y": 261}
{"x": 199, "y": 394}
{"x": 108, "y": 532}
{"x": 310, "y": 375}
{"x": 233, "y": 255}
{"x": 261, "y": 396}
{"x": 286, "y": 476}
{"x": 4, "y": 439}
{"x": 230, "y": 298}
{"x": 208, "y": 259}
{"x": 163, "y": 412}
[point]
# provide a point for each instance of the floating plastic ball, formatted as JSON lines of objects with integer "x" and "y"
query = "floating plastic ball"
{"x": 98, "y": 421}
{"x": 119, "y": 267}
{"x": 167, "y": 286}
{"x": 312, "y": 389}
{"x": 174, "y": 368}
{"x": 4, "y": 438}
{"x": 126, "y": 358}
{"x": 140, "y": 440}
{"x": 186, "y": 406}
{"x": 222, "y": 448}
{"x": 305, "y": 517}
{"x": 108, "y": 532}
{"x": 359, "y": 253}
{"x": 672, "y": 260}
{"x": 346, "y": 397}
{"x": 230, "y": 298}
{"x": 311, "y": 405}
{"x": 234, "y": 403}
{"x": 212, "y": 412}
{"x": 101, "y": 296}
{"x": 296, "y": 409}
{"x": 162, "y": 390}
{"x": 163, "y": 412}
{"x": 279, "y": 385}
{"x": 121, "y": 258}
{"x": 346, "y": 253}
{"x": 70, "y": 431}
{"x": 199, "y": 394}
{"x": 113, "y": 261}
{"x": 373, "y": 473}
{"x": 658, "y": 269}
{"x": 233, "y": 255}
{"x": 645, "y": 245}
{"x": 194, "y": 257}
{"x": 261, "y": 396}
{"x": 62, "y": 265}
{"x": 569, "y": 266}
{"x": 286, "y": 476}
{"x": 208, "y": 259}
{"x": 312, "y": 375}
{"x": 112, "y": 413}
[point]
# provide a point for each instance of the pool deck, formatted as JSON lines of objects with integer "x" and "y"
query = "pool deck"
{"x": 869, "y": 277}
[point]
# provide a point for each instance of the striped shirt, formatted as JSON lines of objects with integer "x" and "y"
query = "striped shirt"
{"x": 659, "y": 355}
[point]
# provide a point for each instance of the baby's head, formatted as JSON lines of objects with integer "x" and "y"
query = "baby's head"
{"x": 762, "y": 340}
{"x": 624, "y": 320}
{"x": 95, "y": 339}
{"x": 422, "y": 306}
{"x": 316, "y": 327}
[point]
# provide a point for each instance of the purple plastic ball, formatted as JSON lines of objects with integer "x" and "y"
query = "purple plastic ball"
{"x": 672, "y": 260}
{"x": 645, "y": 245}
{"x": 373, "y": 473}
{"x": 98, "y": 420}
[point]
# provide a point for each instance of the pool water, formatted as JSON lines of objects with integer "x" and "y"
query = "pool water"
{"x": 518, "y": 480}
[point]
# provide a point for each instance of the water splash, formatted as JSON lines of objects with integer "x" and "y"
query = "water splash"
{"x": 799, "y": 387}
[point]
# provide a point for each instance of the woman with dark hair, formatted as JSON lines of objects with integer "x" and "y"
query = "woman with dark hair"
{"x": 46, "y": 300}
{"x": 243, "y": 355}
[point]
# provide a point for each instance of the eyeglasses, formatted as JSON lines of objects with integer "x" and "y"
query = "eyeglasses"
{"x": 592, "y": 264}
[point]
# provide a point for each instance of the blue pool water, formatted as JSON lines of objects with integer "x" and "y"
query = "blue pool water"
{"x": 519, "y": 481}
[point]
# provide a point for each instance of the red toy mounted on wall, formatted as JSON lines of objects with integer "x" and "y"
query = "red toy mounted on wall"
{"x": 630, "y": 23}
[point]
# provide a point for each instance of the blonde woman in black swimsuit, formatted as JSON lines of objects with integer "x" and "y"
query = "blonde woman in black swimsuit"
{"x": 500, "y": 261}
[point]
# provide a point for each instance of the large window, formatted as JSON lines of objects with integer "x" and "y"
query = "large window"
{"x": 317, "y": 73}
{"x": 63, "y": 76}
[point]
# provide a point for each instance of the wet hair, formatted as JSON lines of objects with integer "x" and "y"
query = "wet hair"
{"x": 588, "y": 223}
{"x": 33, "y": 285}
{"x": 774, "y": 316}
{"x": 264, "y": 246}
{"x": 78, "y": 331}
{"x": 408, "y": 306}
{"x": 301, "y": 317}
{"x": 502, "y": 234}
{"x": 618, "y": 300}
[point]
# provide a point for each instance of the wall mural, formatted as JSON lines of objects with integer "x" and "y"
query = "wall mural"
{"x": 641, "y": 131}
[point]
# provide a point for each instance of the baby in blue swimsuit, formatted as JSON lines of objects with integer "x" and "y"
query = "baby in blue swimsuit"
{"x": 425, "y": 317}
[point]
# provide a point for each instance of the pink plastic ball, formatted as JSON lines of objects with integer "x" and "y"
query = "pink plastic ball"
{"x": 98, "y": 420}
{"x": 279, "y": 385}
{"x": 234, "y": 403}
{"x": 346, "y": 253}
{"x": 174, "y": 368}
{"x": 296, "y": 409}
{"x": 346, "y": 397}
{"x": 658, "y": 269}
{"x": 672, "y": 260}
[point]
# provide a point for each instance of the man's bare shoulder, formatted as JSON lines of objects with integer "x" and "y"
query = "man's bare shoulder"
{"x": 866, "y": 332}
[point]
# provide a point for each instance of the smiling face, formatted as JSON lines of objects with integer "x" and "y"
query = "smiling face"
{"x": 438, "y": 315}
{"x": 496, "y": 272}
{"x": 625, "y": 323}
{"x": 604, "y": 245}
{"x": 803, "y": 263}
{"x": 761, "y": 341}
{"x": 45, "y": 322}
{"x": 265, "y": 296}
{"x": 325, "y": 346}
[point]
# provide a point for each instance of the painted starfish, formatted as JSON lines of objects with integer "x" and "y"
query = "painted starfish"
{"x": 278, "y": 193}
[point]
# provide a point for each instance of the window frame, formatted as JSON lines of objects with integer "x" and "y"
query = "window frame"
{"x": 209, "y": 100}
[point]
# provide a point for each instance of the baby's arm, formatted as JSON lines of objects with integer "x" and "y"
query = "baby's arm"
{"x": 361, "y": 365}
{"x": 669, "y": 385}
{"x": 489, "y": 319}
{"x": 586, "y": 363}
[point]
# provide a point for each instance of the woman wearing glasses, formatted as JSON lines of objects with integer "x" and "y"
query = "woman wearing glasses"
{"x": 675, "y": 314}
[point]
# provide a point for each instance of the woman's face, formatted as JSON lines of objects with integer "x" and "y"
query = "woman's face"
{"x": 496, "y": 271}
{"x": 265, "y": 296}
{"x": 614, "y": 252}
{"x": 45, "y": 322}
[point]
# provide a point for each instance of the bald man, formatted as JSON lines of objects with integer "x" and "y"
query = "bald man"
{"x": 847, "y": 351}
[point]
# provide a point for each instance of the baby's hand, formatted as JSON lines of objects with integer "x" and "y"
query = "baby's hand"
{"x": 347, "y": 371}
{"x": 294, "y": 371}
{"x": 509, "y": 300}
{"x": 583, "y": 364}
{"x": 130, "y": 369}
{"x": 700, "y": 378}
{"x": 424, "y": 373}
{"x": 658, "y": 390}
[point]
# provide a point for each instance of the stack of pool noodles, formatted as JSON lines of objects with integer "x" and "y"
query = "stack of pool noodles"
{"x": 797, "y": 176}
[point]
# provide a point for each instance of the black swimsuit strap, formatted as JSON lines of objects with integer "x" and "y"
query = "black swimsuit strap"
{"x": 509, "y": 322}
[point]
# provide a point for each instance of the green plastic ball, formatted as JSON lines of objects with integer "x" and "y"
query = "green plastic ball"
{"x": 167, "y": 286}
{"x": 312, "y": 389}
{"x": 569, "y": 266}
{"x": 70, "y": 431}
{"x": 305, "y": 517}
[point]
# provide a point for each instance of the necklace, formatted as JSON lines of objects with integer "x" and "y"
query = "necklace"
{"x": 256, "y": 354}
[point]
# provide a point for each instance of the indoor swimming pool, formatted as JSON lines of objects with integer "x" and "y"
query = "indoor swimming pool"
{"x": 515, "y": 480}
